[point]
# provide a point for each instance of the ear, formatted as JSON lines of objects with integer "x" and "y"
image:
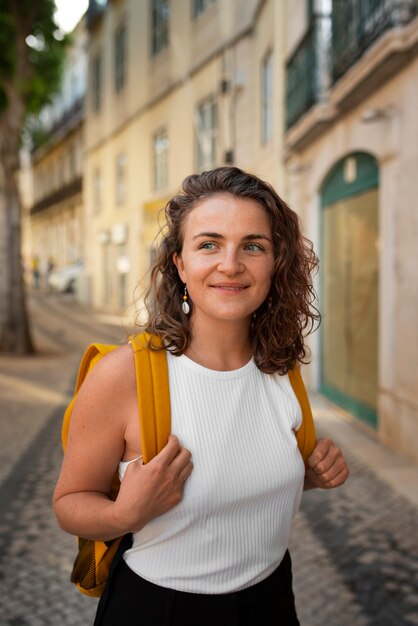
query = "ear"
{"x": 178, "y": 262}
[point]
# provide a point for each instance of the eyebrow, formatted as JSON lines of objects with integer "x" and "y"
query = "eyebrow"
{"x": 250, "y": 237}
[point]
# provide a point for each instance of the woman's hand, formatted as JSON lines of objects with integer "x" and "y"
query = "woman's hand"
{"x": 104, "y": 424}
{"x": 148, "y": 491}
{"x": 326, "y": 466}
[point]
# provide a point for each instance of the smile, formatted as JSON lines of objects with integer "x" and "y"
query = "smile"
{"x": 230, "y": 288}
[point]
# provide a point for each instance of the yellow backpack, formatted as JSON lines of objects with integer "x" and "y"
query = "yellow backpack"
{"x": 92, "y": 564}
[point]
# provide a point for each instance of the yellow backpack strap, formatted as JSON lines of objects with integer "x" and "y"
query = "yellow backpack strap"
{"x": 305, "y": 436}
{"x": 91, "y": 356}
{"x": 153, "y": 393}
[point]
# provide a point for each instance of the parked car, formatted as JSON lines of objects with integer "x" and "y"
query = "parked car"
{"x": 65, "y": 278}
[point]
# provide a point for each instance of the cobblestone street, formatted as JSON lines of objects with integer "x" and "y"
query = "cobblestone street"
{"x": 354, "y": 550}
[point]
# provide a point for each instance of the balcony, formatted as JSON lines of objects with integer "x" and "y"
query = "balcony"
{"x": 342, "y": 58}
{"x": 70, "y": 190}
{"x": 300, "y": 80}
{"x": 356, "y": 25}
{"x": 70, "y": 119}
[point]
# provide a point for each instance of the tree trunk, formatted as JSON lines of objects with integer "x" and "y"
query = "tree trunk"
{"x": 15, "y": 336}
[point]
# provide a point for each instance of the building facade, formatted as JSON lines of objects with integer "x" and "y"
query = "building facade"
{"x": 351, "y": 155}
{"x": 56, "y": 212}
{"x": 174, "y": 88}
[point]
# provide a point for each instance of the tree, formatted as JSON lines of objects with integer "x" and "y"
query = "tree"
{"x": 31, "y": 59}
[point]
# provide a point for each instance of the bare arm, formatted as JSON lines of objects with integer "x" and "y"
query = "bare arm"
{"x": 104, "y": 423}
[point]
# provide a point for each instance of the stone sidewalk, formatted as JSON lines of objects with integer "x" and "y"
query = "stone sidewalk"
{"x": 354, "y": 549}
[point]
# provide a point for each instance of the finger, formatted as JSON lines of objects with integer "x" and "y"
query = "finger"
{"x": 321, "y": 449}
{"x": 337, "y": 480}
{"x": 181, "y": 460}
{"x": 336, "y": 468}
{"x": 185, "y": 472}
{"x": 169, "y": 452}
{"x": 333, "y": 457}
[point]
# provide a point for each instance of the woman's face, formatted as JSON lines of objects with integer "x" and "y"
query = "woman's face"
{"x": 227, "y": 259}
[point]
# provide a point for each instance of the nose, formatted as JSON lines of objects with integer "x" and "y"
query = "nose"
{"x": 230, "y": 264}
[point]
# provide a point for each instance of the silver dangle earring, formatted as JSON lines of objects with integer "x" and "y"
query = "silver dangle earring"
{"x": 185, "y": 306}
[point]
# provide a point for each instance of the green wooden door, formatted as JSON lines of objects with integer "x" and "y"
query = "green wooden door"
{"x": 349, "y": 286}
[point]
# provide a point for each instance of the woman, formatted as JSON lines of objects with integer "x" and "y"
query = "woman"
{"x": 231, "y": 298}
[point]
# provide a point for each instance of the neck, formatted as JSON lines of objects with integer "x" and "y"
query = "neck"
{"x": 224, "y": 348}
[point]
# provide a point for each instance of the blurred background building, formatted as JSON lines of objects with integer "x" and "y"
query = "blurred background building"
{"x": 175, "y": 87}
{"x": 318, "y": 97}
{"x": 56, "y": 212}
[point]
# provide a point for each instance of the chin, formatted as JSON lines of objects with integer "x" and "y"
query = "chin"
{"x": 235, "y": 316}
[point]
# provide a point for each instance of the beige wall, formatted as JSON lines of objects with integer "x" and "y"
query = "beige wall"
{"x": 296, "y": 21}
{"x": 269, "y": 37}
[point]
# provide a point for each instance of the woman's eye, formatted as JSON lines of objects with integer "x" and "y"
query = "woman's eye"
{"x": 207, "y": 245}
{"x": 254, "y": 247}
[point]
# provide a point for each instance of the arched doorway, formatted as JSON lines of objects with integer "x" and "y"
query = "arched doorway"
{"x": 349, "y": 285}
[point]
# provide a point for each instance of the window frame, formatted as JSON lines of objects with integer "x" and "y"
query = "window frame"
{"x": 97, "y": 82}
{"x": 120, "y": 179}
{"x": 160, "y": 160}
{"x": 266, "y": 100}
{"x": 159, "y": 26}
{"x": 212, "y": 132}
{"x": 120, "y": 57}
{"x": 97, "y": 190}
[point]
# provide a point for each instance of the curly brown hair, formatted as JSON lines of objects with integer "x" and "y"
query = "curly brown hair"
{"x": 287, "y": 315}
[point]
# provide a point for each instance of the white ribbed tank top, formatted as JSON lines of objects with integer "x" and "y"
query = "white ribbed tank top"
{"x": 232, "y": 527}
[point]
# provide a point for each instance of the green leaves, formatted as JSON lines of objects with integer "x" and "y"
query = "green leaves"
{"x": 32, "y": 52}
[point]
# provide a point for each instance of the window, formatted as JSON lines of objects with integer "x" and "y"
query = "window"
{"x": 97, "y": 191}
{"x": 73, "y": 88}
{"x": 200, "y": 5}
{"x": 159, "y": 25}
{"x": 71, "y": 162}
{"x": 61, "y": 172}
{"x": 160, "y": 153}
{"x": 120, "y": 58}
{"x": 97, "y": 84}
{"x": 57, "y": 177}
{"x": 206, "y": 134}
{"x": 266, "y": 99}
{"x": 120, "y": 178}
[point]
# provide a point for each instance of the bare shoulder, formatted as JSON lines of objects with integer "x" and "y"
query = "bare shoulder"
{"x": 113, "y": 375}
{"x": 105, "y": 398}
{"x": 103, "y": 410}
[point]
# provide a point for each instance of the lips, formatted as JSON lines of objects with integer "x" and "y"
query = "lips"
{"x": 232, "y": 287}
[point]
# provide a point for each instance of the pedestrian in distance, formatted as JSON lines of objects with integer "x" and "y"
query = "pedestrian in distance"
{"x": 36, "y": 272}
{"x": 50, "y": 266}
{"x": 231, "y": 298}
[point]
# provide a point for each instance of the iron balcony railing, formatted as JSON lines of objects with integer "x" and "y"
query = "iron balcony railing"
{"x": 356, "y": 24}
{"x": 307, "y": 70}
{"x": 335, "y": 42}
